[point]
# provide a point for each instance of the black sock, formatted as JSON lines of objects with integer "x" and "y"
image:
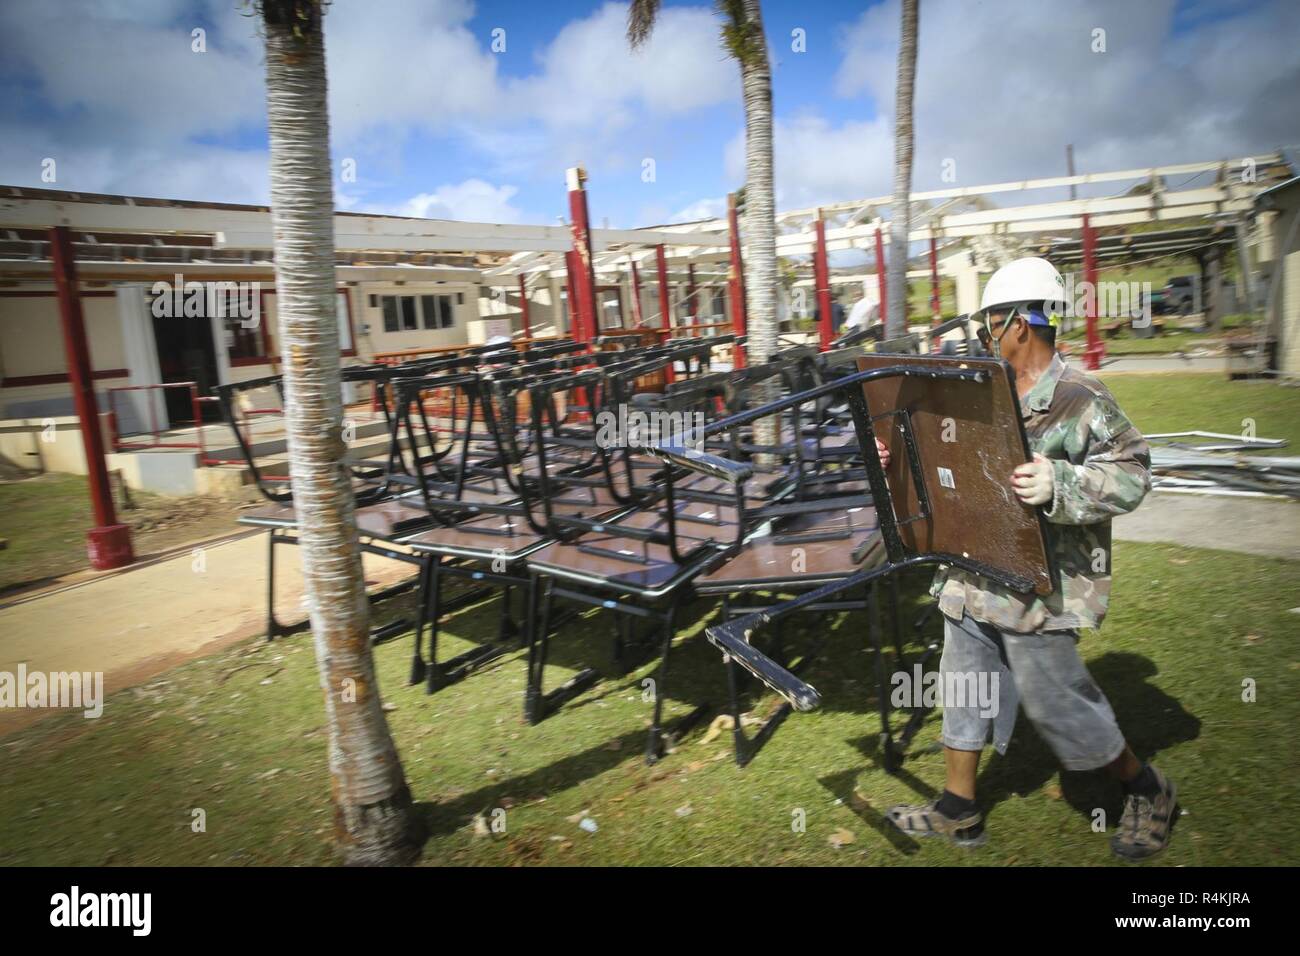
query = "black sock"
{"x": 954, "y": 807}
{"x": 1144, "y": 784}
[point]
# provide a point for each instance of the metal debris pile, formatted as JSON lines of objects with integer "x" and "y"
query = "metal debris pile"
{"x": 1197, "y": 462}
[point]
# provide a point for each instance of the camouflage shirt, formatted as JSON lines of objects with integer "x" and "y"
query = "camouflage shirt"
{"x": 1102, "y": 467}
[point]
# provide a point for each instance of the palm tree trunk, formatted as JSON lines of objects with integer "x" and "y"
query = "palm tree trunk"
{"x": 760, "y": 195}
{"x": 373, "y": 816}
{"x": 760, "y": 213}
{"x": 900, "y": 210}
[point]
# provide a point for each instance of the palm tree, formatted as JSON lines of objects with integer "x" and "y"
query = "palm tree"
{"x": 373, "y": 818}
{"x": 900, "y": 218}
{"x": 742, "y": 35}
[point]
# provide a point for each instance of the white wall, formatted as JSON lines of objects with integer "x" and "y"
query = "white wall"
{"x": 375, "y": 339}
{"x": 31, "y": 343}
{"x": 546, "y": 309}
{"x": 1288, "y": 302}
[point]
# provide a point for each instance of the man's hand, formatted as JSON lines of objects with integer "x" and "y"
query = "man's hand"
{"x": 1034, "y": 481}
{"x": 883, "y": 451}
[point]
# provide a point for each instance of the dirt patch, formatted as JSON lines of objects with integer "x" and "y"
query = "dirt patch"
{"x": 44, "y": 519}
{"x": 158, "y": 523}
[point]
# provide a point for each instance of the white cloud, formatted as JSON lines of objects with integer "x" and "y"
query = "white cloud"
{"x": 715, "y": 208}
{"x": 124, "y": 90}
{"x": 144, "y": 167}
{"x": 817, "y": 161}
{"x": 588, "y": 73}
{"x": 131, "y": 68}
{"x": 472, "y": 200}
{"x": 405, "y": 65}
{"x": 586, "y": 97}
{"x": 1003, "y": 86}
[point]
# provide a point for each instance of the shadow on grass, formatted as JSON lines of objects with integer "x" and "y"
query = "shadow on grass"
{"x": 446, "y": 817}
{"x": 1151, "y": 720}
{"x": 696, "y": 674}
{"x": 842, "y": 785}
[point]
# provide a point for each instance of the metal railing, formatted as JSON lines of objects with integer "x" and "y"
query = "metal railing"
{"x": 243, "y": 426}
{"x": 199, "y": 442}
{"x": 116, "y": 436}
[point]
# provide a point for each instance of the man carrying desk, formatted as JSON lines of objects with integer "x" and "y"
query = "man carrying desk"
{"x": 1089, "y": 464}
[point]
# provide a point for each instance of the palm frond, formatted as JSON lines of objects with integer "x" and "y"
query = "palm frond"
{"x": 641, "y": 16}
{"x": 742, "y": 37}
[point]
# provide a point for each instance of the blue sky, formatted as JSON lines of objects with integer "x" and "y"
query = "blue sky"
{"x": 438, "y": 123}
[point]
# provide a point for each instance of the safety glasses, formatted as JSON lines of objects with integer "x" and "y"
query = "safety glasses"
{"x": 991, "y": 332}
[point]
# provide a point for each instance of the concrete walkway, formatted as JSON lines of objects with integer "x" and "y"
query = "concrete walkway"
{"x": 135, "y": 624}
{"x": 1163, "y": 363}
{"x": 1259, "y": 526}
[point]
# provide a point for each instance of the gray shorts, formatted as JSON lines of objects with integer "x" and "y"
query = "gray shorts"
{"x": 1044, "y": 673}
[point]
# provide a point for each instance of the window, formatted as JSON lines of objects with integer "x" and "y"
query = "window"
{"x": 248, "y": 334}
{"x": 238, "y": 308}
{"x": 242, "y": 341}
{"x": 437, "y": 311}
{"x": 240, "y": 312}
{"x": 407, "y": 313}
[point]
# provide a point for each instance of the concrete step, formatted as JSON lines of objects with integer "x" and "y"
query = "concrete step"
{"x": 268, "y": 443}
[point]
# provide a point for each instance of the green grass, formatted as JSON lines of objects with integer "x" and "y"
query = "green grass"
{"x": 1163, "y": 344}
{"x": 1171, "y": 339}
{"x": 1188, "y": 626}
{"x": 1157, "y": 274}
{"x": 1182, "y": 401}
{"x": 918, "y": 298}
{"x": 248, "y": 747}
{"x": 44, "y": 520}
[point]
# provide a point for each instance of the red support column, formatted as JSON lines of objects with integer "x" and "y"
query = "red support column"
{"x": 935, "y": 310}
{"x": 108, "y": 543}
{"x": 736, "y": 281}
{"x": 665, "y": 306}
{"x": 690, "y": 294}
{"x": 571, "y": 286}
{"x": 665, "y": 301}
{"x": 880, "y": 276}
{"x": 636, "y": 293}
{"x": 822, "y": 281}
{"x": 524, "y": 317}
{"x": 584, "y": 269}
{"x": 1096, "y": 350}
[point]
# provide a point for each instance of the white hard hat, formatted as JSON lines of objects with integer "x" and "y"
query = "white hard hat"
{"x": 1030, "y": 279}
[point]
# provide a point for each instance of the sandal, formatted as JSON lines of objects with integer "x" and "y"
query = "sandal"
{"x": 1147, "y": 823}
{"x": 925, "y": 820}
